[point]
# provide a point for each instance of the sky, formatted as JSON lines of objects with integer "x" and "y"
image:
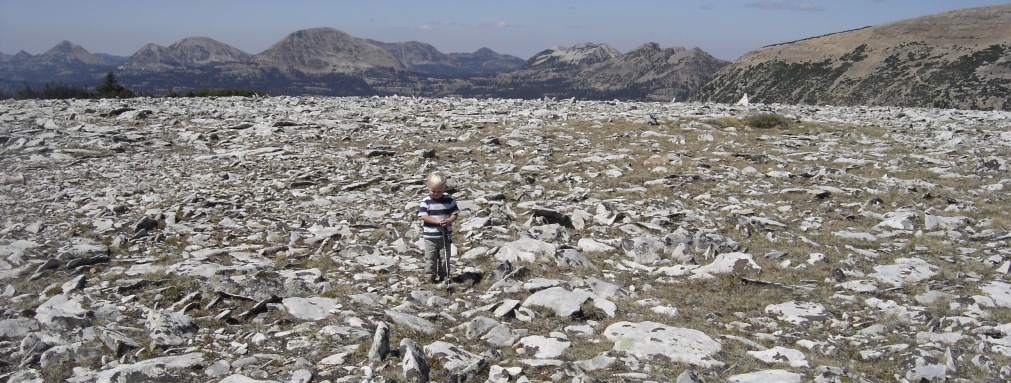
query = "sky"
{"x": 725, "y": 29}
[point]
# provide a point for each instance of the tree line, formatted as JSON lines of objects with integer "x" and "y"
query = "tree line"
{"x": 111, "y": 88}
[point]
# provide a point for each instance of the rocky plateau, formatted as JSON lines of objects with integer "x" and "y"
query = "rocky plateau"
{"x": 275, "y": 240}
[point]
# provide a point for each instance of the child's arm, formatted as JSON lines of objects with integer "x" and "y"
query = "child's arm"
{"x": 431, "y": 220}
{"x": 440, "y": 222}
{"x": 449, "y": 221}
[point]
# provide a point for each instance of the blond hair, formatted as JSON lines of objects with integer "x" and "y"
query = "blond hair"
{"x": 437, "y": 180}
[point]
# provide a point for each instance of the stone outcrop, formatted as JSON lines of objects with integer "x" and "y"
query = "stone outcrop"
{"x": 276, "y": 240}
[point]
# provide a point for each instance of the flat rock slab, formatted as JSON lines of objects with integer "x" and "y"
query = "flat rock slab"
{"x": 315, "y": 308}
{"x": 1000, "y": 292}
{"x": 453, "y": 357}
{"x": 413, "y": 321}
{"x": 566, "y": 303}
{"x": 647, "y": 340}
{"x": 237, "y": 378}
{"x": 860, "y": 286}
{"x": 767, "y": 376}
{"x": 798, "y": 313}
{"x": 904, "y": 270}
{"x": 731, "y": 263}
{"x": 62, "y": 308}
{"x": 544, "y": 347}
{"x": 17, "y": 327}
{"x": 781, "y": 355}
{"x": 528, "y": 250}
{"x": 137, "y": 371}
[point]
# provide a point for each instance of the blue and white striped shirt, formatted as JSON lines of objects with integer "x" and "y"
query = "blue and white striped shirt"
{"x": 440, "y": 208}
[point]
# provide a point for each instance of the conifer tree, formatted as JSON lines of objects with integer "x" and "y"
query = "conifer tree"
{"x": 112, "y": 89}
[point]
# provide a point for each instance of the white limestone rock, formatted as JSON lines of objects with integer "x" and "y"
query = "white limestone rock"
{"x": 781, "y": 355}
{"x": 647, "y": 340}
{"x": 767, "y": 376}
{"x": 798, "y": 313}
{"x": 543, "y": 347}
{"x": 904, "y": 270}
{"x": 312, "y": 308}
{"x": 730, "y": 263}
{"x": 566, "y": 303}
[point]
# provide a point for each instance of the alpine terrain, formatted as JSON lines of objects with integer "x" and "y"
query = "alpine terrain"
{"x": 958, "y": 59}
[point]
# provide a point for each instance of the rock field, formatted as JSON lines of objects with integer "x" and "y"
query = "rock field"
{"x": 275, "y": 240}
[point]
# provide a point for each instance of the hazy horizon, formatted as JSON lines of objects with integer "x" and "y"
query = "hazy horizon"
{"x": 724, "y": 29}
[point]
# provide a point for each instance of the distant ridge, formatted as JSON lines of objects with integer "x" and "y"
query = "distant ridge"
{"x": 64, "y": 63}
{"x": 424, "y": 58}
{"x": 957, "y": 59}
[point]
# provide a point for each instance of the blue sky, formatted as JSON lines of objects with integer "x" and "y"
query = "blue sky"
{"x": 725, "y": 29}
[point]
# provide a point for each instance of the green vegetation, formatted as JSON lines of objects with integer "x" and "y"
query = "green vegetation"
{"x": 858, "y": 54}
{"x": 111, "y": 88}
{"x": 49, "y": 91}
{"x": 767, "y": 121}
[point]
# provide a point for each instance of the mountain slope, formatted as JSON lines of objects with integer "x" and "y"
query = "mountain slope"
{"x": 202, "y": 51}
{"x": 325, "y": 51}
{"x": 193, "y": 52}
{"x": 486, "y": 61}
{"x": 64, "y": 63}
{"x": 67, "y": 53}
{"x": 579, "y": 55}
{"x": 152, "y": 57}
{"x": 598, "y": 71}
{"x": 657, "y": 74}
{"x": 959, "y": 59}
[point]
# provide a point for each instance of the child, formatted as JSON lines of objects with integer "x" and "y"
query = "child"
{"x": 437, "y": 212}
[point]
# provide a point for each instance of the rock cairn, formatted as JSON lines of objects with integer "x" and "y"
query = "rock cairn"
{"x": 275, "y": 240}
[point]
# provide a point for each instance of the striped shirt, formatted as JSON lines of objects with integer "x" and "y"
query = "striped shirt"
{"x": 440, "y": 208}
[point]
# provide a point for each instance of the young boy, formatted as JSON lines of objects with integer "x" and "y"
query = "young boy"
{"x": 437, "y": 212}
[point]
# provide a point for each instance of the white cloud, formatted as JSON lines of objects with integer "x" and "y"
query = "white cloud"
{"x": 444, "y": 24}
{"x": 495, "y": 25}
{"x": 786, "y": 5}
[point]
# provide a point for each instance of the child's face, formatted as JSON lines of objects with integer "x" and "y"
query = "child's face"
{"x": 436, "y": 191}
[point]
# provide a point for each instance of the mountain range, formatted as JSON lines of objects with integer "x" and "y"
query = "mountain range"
{"x": 957, "y": 59}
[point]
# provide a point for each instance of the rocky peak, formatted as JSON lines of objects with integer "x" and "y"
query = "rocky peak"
{"x": 202, "y": 51}
{"x": 152, "y": 57}
{"x": 414, "y": 53}
{"x": 323, "y": 51}
{"x": 650, "y": 46}
{"x": 66, "y": 52}
{"x": 22, "y": 55}
{"x": 193, "y": 52}
{"x": 581, "y": 54}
